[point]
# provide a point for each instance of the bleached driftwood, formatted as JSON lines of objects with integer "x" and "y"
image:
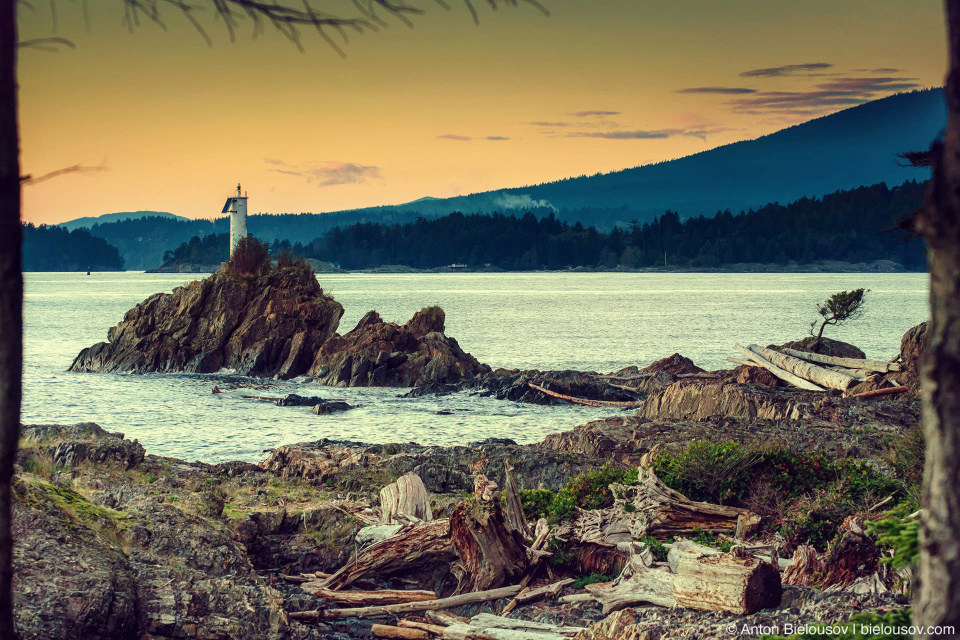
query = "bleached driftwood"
{"x": 512, "y": 505}
{"x": 702, "y": 578}
{"x": 655, "y": 510}
{"x": 409, "y": 607}
{"x": 491, "y": 621}
{"x": 407, "y": 496}
{"x": 412, "y": 546}
{"x": 786, "y": 376}
{"x": 576, "y": 597}
{"x": 485, "y": 626}
{"x": 850, "y": 363}
{"x": 808, "y": 371}
{"x": 746, "y": 363}
{"x": 368, "y": 598}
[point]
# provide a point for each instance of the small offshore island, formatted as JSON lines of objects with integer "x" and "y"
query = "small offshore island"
{"x": 727, "y": 498}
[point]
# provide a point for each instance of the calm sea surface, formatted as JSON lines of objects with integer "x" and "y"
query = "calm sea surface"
{"x": 598, "y": 322}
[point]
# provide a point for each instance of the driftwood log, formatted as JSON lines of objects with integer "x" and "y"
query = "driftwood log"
{"x": 405, "y": 497}
{"x": 784, "y": 375}
{"x": 386, "y": 631}
{"x": 412, "y": 546}
{"x": 584, "y": 401}
{"x": 849, "y": 363}
{"x": 702, "y": 578}
{"x": 435, "y": 629}
{"x": 408, "y": 607}
{"x": 829, "y": 378}
{"x": 491, "y": 555}
{"x": 368, "y": 598}
{"x": 485, "y": 626}
{"x": 876, "y": 393}
{"x": 655, "y": 510}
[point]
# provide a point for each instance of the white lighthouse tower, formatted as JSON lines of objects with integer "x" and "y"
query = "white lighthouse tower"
{"x": 236, "y": 206}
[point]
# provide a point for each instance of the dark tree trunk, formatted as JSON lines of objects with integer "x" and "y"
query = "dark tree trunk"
{"x": 11, "y": 298}
{"x": 938, "y": 599}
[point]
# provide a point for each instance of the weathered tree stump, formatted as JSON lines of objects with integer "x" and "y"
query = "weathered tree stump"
{"x": 805, "y": 569}
{"x": 412, "y": 546}
{"x": 491, "y": 555}
{"x": 405, "y": 497}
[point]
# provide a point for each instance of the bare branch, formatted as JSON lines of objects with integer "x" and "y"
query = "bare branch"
{"x": 29, "y": 180}
{"x": 46, "y": 44}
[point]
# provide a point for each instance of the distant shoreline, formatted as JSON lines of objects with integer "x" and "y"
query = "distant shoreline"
{"x": 823, "y": 266}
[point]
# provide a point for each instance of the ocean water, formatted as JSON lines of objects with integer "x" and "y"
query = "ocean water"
{"x": 589, "y": 321}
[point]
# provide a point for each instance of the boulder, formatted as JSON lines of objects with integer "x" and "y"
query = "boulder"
{"x": 823, "y": 346}
{"x": 384, "y": 354}
{"x": 700, "y": 400}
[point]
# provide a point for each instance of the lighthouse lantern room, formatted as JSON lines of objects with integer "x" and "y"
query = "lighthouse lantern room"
{"x": 236, "y": 206}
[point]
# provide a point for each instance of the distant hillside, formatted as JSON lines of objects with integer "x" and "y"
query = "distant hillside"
{"x": 89, "y": 221}
{"x": 854, "y": 147}
{"x": 53, "y": 248}
{"x": 854, "y": 226}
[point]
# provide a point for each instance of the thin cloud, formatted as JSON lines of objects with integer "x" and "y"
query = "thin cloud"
{"x": 884, "y": 70}
{"x": 453, "y": 136}
{"x": 720, "y": 90}
{"x": 330, "y": 173}
{"x": 496, "y": 138}
{"x": 868, "y": 85}
{"x": 786, "y": 70}
{"x": 843, "y": 92}
{"x": 548, "y": 124}
{"x": 627, "y": 135}
{"x": 590, "y": 114}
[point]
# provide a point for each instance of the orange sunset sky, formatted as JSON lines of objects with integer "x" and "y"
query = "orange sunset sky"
{"x": 166, "y": 122}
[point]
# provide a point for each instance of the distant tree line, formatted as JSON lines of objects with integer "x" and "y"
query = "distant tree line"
{"x": 853, "y": 226}
{"x": 52, "y": 248}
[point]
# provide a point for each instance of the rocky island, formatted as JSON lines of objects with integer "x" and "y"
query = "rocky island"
{"x": 280, "y": 324}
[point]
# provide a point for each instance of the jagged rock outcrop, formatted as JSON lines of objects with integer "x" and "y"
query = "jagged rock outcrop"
{"x": 130, "y": 547}
{"x": 694, "y": 400}
{"x": 269, "y": 327}
{"x": 280, "y": 325}
{"x": 383, "y": 354}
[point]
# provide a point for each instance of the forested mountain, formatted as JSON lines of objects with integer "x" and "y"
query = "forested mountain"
{"x": 850, "y": 148}
{"x": 53, "y": 248}
{"x": 89, "y": 221}
{"x": 852, "y": 226}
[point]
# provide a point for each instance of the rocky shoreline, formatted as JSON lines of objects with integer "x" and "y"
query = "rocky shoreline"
{"x": 116, "y": 543}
